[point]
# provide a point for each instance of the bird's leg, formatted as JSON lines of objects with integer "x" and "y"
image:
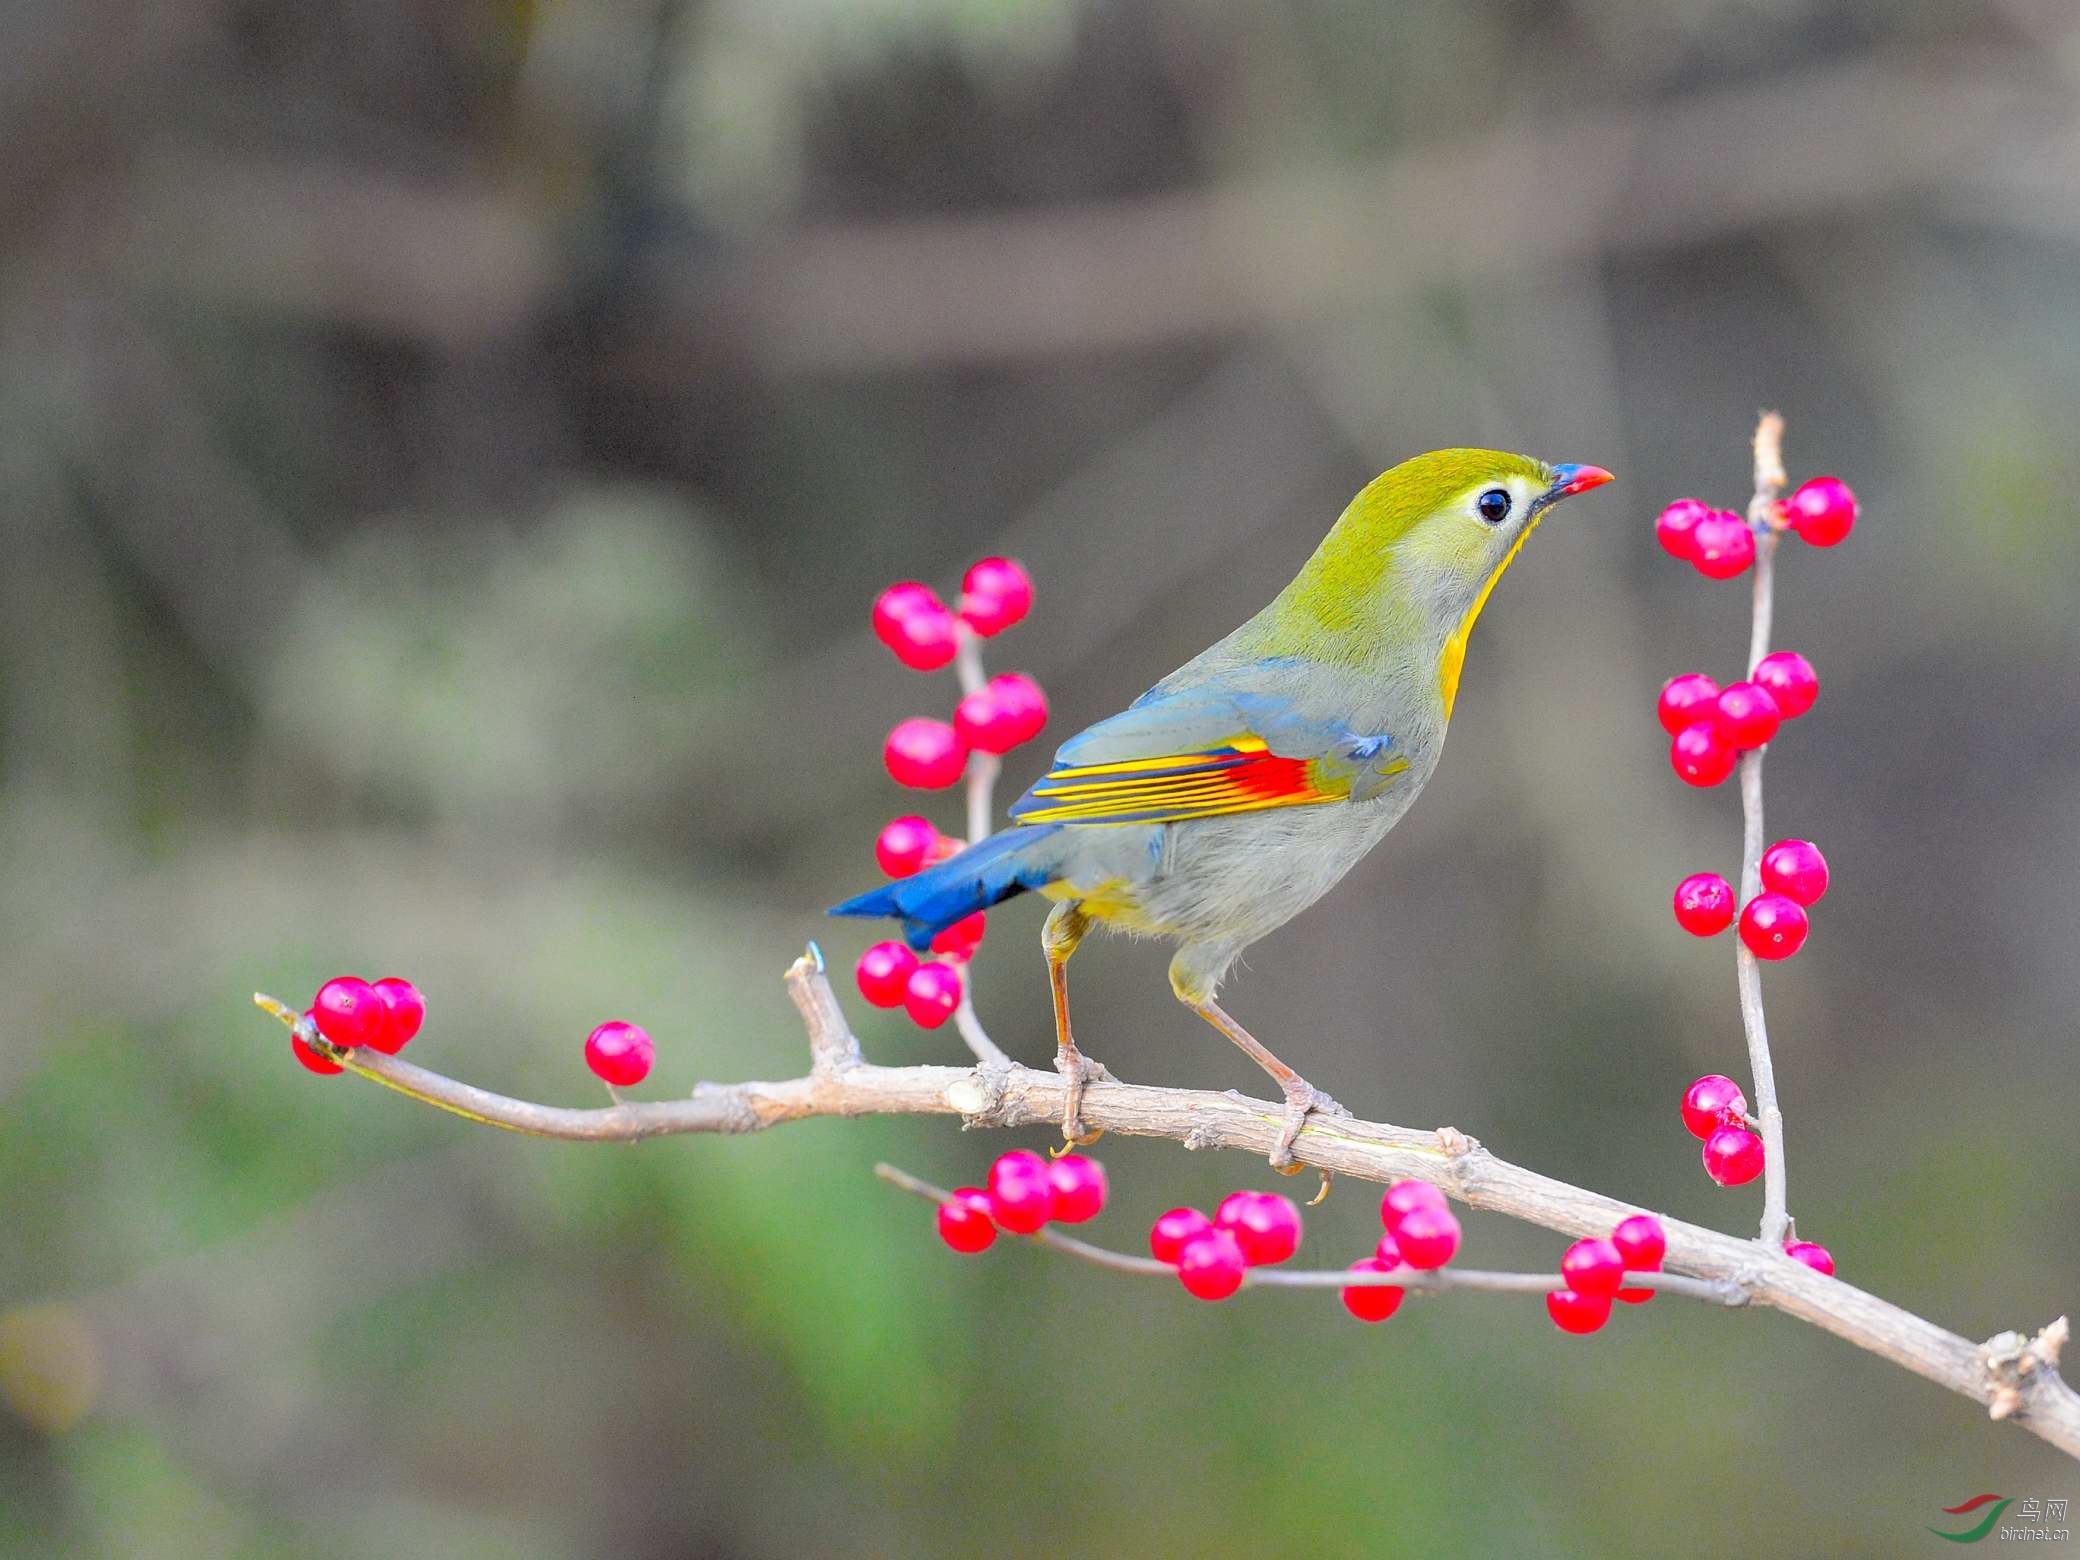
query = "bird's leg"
{"x": 1066, "y": 925}
{"x": 1302, "y": 1097}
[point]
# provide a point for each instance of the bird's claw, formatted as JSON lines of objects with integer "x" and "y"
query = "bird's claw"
{"x": 1077, "y": 1070}
{"x": 1303, "y": 1099}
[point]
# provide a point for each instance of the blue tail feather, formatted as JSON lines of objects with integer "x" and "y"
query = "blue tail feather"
{"x": 984, "y": 874}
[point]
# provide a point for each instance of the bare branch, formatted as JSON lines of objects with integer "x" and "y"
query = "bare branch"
{"x": 2034, "y": 1397}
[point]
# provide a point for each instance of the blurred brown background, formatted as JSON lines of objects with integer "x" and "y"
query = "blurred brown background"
{"x": 448, "y": 453}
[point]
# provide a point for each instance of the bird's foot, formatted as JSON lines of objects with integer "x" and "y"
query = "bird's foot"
{"x": 1077, "y": 1070}
{"x": 1303, "y": 1099}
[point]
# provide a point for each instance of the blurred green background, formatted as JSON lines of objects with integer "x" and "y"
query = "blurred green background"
{"x": 446, "y": 455}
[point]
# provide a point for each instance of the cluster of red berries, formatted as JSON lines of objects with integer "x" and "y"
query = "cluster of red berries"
{"x": 619, "y": 1053}
{"x": 1774, "y": 923}
{"x": 1718, "y": 543}
{"x": 1712, "y": 726}
{"x": 352, "y": 1012}
{"x": 1593, "y": 1273}
{"x": 1023, "y": 1193}
{"x": 892, "y": 976}
{"x": 1421, "y": 1235}
{"x": 1248, "y": 1229}
{"x": 925, "y": 634}
{"x": 1715, "y": 1110}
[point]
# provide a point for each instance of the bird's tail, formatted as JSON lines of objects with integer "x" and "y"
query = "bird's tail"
{"x": 984, "y": 874}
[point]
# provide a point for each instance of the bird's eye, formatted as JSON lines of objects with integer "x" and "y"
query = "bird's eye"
{"x": 1494, "y": 506}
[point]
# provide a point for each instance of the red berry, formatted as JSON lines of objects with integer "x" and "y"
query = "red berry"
{"x": 965, "y": 1224}
{"x": 1791, "y": 681}
{"x": 619, "y": 1054}
{"x": 931, "y": 994}
{"x": 1676, "y": 526}
{"x": 896, "y": 606}
{"x": 404, "y": 1010}
{"x": 926, "y": 641}
{"x": 948, "y": 847}
{"x": 1403, "y": 1198}
{"x": 1577, "y": 1313}
{"x": 1700, "y": 756}
{"x": 1795, "y": 869}
{"x": 1686, "y": 700}
{"x": 1774, "y": 926}
{"x": 905, "y": 844}
{"x": 960, "y": 940}
{"x": 1023, "y": 701}
{"x": 1815, "y": 1257}
{"x": 995, "y": 593}
{"x": 1265, "y": 1225}
{"x": 1704, "y": 904}
{"x": 1722, "y": 545}
{"x": 1079, "y": 1188}
{"x": 1021, "y": 1192}
{"x": 1642, "y": 1243}
{"x": 348, "y": 1012}
{"x": 1732, "y": 1156}
{"x": 1211, "y": 1265}
{"x": 927, "y": 755}
{"x": 1372, "y": 1302}
{"x": 1714, "y": 1100}
{"x": 884, "y": 973}
{"x": 1427, "y": 1237}
{"x": 1746, "y": 716}
{"x": 1388, "y": 1251}
{"x": 1170, "y": 1234}
{"x": 1593, "y": 1267}
{"x": 317, "y": 1061}
{"x": 984, "y": 722}
{"x": 1823, "y": 511}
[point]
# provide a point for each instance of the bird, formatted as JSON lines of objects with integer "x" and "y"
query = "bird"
{"x": 1242, "y": 787}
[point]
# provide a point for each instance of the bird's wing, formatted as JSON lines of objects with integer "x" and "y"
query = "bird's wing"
{"x": 1203, "y": 752}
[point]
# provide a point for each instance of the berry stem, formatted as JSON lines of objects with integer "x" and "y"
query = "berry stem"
{"x": 983, "y": 769}
{"x": 1718, "y": 1293}
{"x": 1769, "y": 484}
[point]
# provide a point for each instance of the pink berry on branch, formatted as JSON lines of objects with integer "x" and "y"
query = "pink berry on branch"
{"x": 1676, "y": 527}
{"x": 1732, "y": 1156}
{"x": 1791, "y": 681}
{"x": 1171, "y": 1233}
{"x": 986, "y": 723}
{"x": 884, "y": 973}
{"x": 1722, "y": 546}
{"x": 1704, "y": 904}
{"x": 317, "y": 1061}
{"x": 905, "y": 845}
{"x": 1593, "y": 1267}
{"x": 1404, "y": 1198}
{"x": 1746, "y": 716}
{"x": 1713, "y": 1101}
{"x": 1774, "y": 926}
{"x": 915, "y": 624}
{"x": 995, "y": 594}
{"x": 1686, "y": 700}
{"x": 1573, "y": 1312}
{"x": 348, "y": 1012}
{"x": 1023, "y": 702}
{"x": 404, "y": 1010}
{"x": 1265, "y": 1225}
{"x": 1795, "y": 869}
{"x": 1021, "y": 1192}
{"x": 1388, "y": 1251}
{"x": 931, "y": 994}
{"x": 1822, "y": 511}
{"x": 1079, "y": 1188}
{"x": 1372, "y": 1302}
{"x": 960, "y": 940}
{"x": 1700, "y": 756}
{"x": 926, "y": 755}
{"x": 1211, "y": 1265}
{"x": 1427, "y": 1237}
{"x": 1815, "y": 1257}
{"x": 1643, "y": 1244}
{"x": 965, "y": 1224}
{"x": 619, "y": 1054}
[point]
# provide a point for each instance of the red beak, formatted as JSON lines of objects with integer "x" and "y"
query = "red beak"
{"x": 1569, "y": 480}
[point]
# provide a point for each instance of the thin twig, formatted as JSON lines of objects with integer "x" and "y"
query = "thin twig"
{"x": 1438, "y": 1281}
{"x": 1769, "y": 483}
{"x": 983, "y": 769}
{"x": 2022, "y": 1382}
